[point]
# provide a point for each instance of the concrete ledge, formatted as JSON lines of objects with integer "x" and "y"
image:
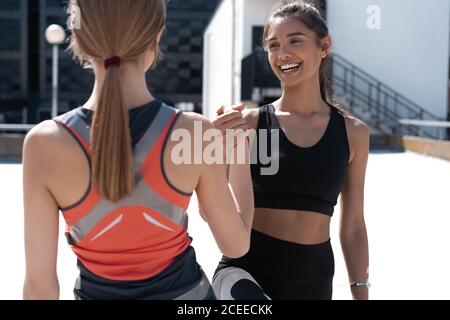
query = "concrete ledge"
{"x": 435, "y": 148}
{"x": 378, "y": 141}
{"x": 11, "y": 146}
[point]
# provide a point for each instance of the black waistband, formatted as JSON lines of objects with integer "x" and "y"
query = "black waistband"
{"x": 284, "y": 259}
{"x": 184, "y": 275}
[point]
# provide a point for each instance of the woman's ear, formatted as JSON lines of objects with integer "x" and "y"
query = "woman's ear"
{"x": 326, "y": 46}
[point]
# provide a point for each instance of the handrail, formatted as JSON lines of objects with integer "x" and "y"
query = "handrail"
{"x": 349, "y": 65}
{"x": 386, "y": 105}
{"x": 422, "y": 123}
{"x": 16, "y": 127}
{"x": 440, "y": 125}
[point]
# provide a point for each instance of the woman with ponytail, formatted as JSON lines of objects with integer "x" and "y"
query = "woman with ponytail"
{"x": 322, "y": 154}
{"x": 107, "y": 167}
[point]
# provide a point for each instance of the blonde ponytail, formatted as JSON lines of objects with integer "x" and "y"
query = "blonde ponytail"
{"x": 128, "y": 29}
{"x": 112, "y": 162}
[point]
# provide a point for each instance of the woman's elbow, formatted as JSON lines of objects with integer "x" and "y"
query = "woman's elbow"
{"x": 355, "y": 230}
{"x": 239, "y": 250}
{"x": 33, "y": 290}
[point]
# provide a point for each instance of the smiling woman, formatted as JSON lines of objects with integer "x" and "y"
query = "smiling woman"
{"x": 322, "y": 154}
{"x": 298, "y": 46}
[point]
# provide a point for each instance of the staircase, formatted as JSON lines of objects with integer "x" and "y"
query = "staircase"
{"x": 378, "y": 105}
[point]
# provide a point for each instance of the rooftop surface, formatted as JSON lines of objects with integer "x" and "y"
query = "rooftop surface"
{"x": 407, "y": 211}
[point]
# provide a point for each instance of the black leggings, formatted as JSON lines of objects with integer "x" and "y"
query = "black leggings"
{"x": 277, "y": 269}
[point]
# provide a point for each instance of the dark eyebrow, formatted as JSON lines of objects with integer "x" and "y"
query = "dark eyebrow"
{"x": 296, "y": 34}
{"x": 293, "y": 34}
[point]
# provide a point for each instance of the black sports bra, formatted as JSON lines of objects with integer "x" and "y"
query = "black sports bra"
{"x": 308, "y": 179}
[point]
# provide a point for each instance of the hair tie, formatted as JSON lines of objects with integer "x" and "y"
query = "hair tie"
{"x": 114, "y": 61}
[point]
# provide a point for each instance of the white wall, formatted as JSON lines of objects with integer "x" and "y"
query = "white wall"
{"x": 256, "y": 14}
{"x": 240, "y": 14}
{"x": 217, "y": 61}
{"x": 409, "y": 53}
{"x": 221, "y": 72}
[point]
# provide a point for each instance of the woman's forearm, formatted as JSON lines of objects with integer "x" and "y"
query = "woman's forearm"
{"x": 356, "y": 253}
{"x": 240, "y": 182}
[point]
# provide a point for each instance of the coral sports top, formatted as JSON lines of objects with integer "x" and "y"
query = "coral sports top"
{"x": 141, "y": 235}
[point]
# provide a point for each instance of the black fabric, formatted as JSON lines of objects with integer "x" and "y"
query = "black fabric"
{"x": 285, "y": 270}
{"x": 181, "y": 276}
{"x": 140, "y": 118}
{"x": 309, "y": 179}
{"x": 247, "y": 290}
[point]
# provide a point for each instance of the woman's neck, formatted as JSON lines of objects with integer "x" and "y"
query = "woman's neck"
{"x": 135, "y": 90}
{"x": 304, "y": 99}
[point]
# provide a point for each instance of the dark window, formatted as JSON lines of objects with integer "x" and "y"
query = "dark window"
{"x": 178, "y": 77}
{"x": 10, "y": 5}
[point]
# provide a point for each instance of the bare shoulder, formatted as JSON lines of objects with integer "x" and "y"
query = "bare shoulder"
{"x": 188, "y": 120}
{"x": 189, "y": 123}
{"x": 44, "y": 136}
{"x": 186, "y": 138}
{"x": 43, "y": 149}
{"x": 355, "y": 126}
{"x": 358, "y": 134}
{"x": 49, "y": 143}
{"x": 251, "y": 116}
{"x": 251, "y": 113}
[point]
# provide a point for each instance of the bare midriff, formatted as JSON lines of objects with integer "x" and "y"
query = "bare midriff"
{"x": 302, "y": 227}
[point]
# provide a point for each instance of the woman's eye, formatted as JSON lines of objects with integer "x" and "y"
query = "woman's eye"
{"x": 296, "y": 41}
{"x": 273, "y": 45}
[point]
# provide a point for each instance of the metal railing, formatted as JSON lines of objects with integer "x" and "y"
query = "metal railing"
{"x": 16, "y": 127}
{"x": 442, "y": 126}
{"x": 376, "y": 103}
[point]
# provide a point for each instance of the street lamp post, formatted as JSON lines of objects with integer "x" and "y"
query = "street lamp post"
{"x": 55, "y": 35}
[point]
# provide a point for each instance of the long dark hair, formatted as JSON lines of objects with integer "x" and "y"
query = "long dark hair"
{"x": 311, "y": 14}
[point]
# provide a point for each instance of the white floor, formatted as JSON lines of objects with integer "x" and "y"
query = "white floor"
{"x": 407, "y": 214}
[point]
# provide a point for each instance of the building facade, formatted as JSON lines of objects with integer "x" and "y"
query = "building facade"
{"x": 390, "y": 59}
{"x": 26, "y": 59}
{"x": 233, "y": 34}
{"x": 13, "y": 58}
{"x": 407, "y": 49}
{"x": 235, "y": 65}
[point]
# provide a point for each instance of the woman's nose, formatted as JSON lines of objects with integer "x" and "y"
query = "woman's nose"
{"x": 284, "y": 53}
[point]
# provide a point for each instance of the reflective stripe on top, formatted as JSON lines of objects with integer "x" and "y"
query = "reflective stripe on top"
{"x": 76, "y": 123}
{"x": 143, "y": 195}
{"x": 153, "y": 133}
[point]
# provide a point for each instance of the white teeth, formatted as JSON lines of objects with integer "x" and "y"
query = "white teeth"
{"x": 290, "y": 66}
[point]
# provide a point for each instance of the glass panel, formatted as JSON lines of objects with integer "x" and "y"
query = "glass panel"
{"x": 10, "y": 4}
{"x": 10, "y": 34}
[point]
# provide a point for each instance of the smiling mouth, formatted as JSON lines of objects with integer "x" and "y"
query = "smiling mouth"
{"x": 288, "y": 68}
